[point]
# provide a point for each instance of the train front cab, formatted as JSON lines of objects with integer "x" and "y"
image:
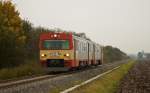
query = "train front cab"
{"x": 56, "y": 51}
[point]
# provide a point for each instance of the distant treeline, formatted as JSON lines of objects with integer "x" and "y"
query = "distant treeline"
{"x": 112, "y": 54}
{"x": 19, "y": 39}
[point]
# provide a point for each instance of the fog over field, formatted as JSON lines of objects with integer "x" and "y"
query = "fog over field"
{"x": 121, "y": 23}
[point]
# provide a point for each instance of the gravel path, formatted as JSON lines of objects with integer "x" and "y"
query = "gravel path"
{"x": 137, "y": 80}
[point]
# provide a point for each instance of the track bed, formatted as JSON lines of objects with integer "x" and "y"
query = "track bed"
{"x": 59, "y": 82}
{"x": 137, "y": 80}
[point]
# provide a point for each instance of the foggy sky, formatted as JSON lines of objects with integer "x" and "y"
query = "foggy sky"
{"x": 121, "y": 23}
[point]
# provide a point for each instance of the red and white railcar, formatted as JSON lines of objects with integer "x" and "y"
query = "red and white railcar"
{"x": 65, "y": 51}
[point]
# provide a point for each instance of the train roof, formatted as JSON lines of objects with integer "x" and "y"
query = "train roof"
{"x": 84, "y": 38}
{"x": 89, "y": 41}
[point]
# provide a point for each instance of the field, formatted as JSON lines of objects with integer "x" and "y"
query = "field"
{"x": 137, "y": 80}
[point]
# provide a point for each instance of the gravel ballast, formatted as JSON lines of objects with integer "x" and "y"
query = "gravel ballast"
{"x": 137, "y": 80}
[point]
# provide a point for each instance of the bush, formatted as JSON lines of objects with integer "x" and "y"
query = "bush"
{"x": 21, "y": 71}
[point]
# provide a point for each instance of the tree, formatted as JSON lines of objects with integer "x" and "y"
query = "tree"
{"x": 32, "y": 39}
{"x": 12, "y": 38}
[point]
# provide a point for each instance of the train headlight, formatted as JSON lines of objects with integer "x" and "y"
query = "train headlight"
{"x": 43, "y": 55}
{"x": 55, "y": 35}
{"x": 67, "y": 54}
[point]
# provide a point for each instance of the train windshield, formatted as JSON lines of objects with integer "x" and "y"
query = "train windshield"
{"x": 56, "y": 44}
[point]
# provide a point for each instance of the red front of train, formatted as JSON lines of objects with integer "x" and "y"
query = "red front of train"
{"x": 57, "y": 51}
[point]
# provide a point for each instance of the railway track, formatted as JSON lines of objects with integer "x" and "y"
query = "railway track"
{"x": 5, "y": 87}
{"x": 14, "y": 83}
{"x": 34, "y": 79}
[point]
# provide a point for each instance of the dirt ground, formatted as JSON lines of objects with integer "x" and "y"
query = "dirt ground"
{"x": 137, "y": 80}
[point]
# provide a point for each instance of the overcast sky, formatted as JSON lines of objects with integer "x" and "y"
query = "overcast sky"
{"x": 121, "y": 23}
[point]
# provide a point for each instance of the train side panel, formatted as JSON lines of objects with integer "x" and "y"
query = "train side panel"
{"x": 81, "y": 51}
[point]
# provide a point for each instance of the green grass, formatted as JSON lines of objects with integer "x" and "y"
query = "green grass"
{"x": 107, "y": 83}
{"x": 28, "y": 69}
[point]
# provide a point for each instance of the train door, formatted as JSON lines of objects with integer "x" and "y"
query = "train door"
{"x": 94, "y": 56}
{"x": 102, "y": 55}
{"x": 76, "y": 52}
{"x": 89, "y": 63}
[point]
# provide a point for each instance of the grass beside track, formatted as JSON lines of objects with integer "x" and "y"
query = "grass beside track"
{"x": 29, "y": 69}
{"x": 107, "y": 83}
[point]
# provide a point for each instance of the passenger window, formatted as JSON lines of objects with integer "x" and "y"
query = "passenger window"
{"x": 79, "y": 46}
{"x": 82, "y": 46}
